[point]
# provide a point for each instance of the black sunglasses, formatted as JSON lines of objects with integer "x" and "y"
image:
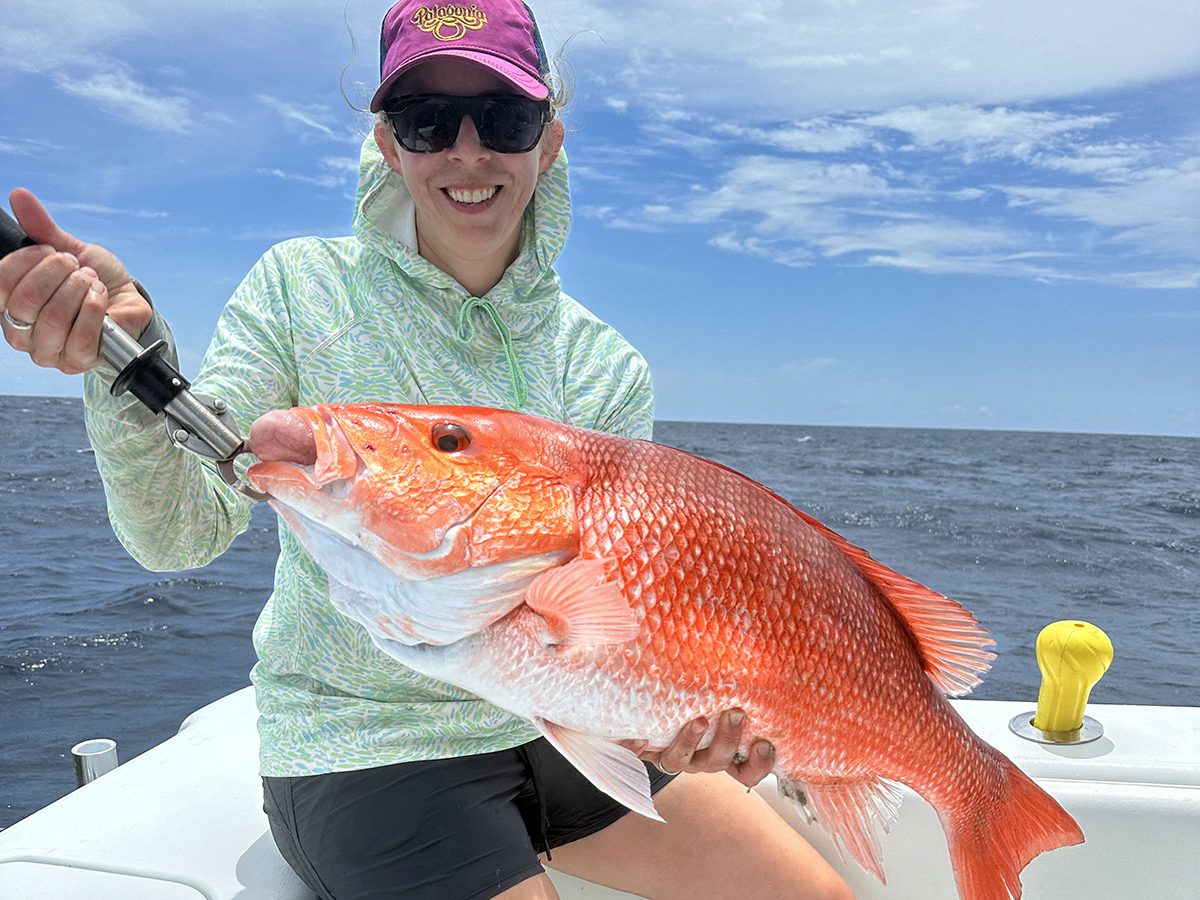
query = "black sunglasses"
{"x": 428, "y": 123}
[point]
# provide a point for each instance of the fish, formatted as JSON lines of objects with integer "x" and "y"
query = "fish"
{"x": 610, "y": 590}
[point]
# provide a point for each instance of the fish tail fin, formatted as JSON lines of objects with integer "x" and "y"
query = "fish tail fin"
{"x": 990, "y": 847}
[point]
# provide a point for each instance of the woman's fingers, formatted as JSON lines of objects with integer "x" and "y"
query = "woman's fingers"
{"x": 722, "y": 753}
{"x": 34, "y": 286}
{"x": 719, "y": 755}
{"x": 56, "y": 318}
{"x": 678, "y": 756}
{"x": 81, "y": 351}
{"x": 756, "y": 766}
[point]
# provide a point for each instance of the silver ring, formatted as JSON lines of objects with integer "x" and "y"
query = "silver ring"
{"x": 658, "y": 765}
{"x": 16, "y": 323}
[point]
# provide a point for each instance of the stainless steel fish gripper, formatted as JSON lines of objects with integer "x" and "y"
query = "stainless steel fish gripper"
{"x": 195, "y": 422}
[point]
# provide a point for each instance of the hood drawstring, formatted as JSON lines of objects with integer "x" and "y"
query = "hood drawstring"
{"x": 466, "y": 333}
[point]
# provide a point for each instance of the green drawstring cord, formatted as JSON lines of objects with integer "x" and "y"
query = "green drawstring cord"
{"x": 466, "y": 333}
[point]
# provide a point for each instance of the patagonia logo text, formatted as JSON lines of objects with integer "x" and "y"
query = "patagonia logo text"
{"x": 450, "y": 22}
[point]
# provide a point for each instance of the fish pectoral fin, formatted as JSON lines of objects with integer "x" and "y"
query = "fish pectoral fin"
{"x": 850, "y": 811}
{"x": 582, "y": 605}
{"x": 610, "y": 767}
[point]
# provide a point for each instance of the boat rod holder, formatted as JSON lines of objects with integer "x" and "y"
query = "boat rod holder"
{"x": 1072, "y": 656}
{"x": 195, "y": 422}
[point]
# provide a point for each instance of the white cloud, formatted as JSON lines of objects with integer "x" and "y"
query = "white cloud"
{"x": 812, "y": 136}
{"x": 100, "y": 209}
{"x": 1110, "y": 160}
{"x": 311, "y": 116}
{"x": 914, "y": 187}
{"x": 978, "y": 131}
{"x": 123, "y": 95}
{"x": 774, "y": 57}
{"x": 338, "y": 172}
{"x": 16, "y": 146}
{"x": 1157, "y": 209}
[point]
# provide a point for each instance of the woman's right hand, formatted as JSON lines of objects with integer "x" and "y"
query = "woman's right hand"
{"x": 64, "y": 288}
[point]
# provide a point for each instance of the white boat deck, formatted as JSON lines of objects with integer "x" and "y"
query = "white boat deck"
{"x": 185, "y": 819}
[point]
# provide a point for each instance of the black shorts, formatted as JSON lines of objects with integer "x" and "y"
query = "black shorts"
{"x": 446, "y": 829}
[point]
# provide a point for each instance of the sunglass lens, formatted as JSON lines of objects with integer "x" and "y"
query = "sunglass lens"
{"x": 427, "y": 126}
{"x": 511, "y": 125}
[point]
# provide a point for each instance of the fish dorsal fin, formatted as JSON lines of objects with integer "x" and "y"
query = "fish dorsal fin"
{"x": 610, "y": 767}
{"x": 582, "y": 605}
{"x": 952, "y": 643}
{"x": 852, "y": 811}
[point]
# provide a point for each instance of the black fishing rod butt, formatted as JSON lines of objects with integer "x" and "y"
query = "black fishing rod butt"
{"x": 12, "y": 235}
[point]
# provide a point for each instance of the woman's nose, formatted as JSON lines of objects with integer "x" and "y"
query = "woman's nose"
{"x": 467, "y": 145}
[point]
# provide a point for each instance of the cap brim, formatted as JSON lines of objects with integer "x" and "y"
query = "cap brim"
{"x": 527, "y": 84}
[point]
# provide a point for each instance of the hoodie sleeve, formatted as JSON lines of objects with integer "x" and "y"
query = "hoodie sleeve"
{"x": 630, "y": 411}
{"x": 168, "y": 508}
{"x": 607, "y": 385}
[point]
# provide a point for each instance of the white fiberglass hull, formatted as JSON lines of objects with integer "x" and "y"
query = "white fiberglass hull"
{"x": 185, "y": 819}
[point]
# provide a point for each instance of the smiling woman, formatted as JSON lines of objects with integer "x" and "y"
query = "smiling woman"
{"x": 378, "y": 777}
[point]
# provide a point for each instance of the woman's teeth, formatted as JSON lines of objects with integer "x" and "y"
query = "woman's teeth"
{"x": 471, "y": 196}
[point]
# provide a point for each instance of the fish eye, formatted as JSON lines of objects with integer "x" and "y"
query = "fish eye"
{"x": 450, "y": 437}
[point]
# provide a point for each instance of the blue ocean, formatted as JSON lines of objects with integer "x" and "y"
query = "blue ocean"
{"x": 1023, "y": 528}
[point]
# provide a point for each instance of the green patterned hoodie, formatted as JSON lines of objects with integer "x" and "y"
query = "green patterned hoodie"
{"x": 347, "y": 320}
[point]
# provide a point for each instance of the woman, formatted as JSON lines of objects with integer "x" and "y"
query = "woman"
{"x": 380, "y": 782}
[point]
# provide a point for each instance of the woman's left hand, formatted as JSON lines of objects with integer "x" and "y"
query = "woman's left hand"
{"x": 720, "y": 756}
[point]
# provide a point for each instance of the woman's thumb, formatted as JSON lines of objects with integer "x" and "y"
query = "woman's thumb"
{"x": 39, "y": 225}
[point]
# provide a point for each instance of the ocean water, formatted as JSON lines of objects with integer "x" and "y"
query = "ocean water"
{"x": 1022, "y": 528}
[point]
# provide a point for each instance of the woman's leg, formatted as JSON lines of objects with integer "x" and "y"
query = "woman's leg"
{"x": 718, "y": 841}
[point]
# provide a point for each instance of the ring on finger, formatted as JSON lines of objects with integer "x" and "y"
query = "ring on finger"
{"x": 658, "y": 765}
{"x": 16, "y": 323}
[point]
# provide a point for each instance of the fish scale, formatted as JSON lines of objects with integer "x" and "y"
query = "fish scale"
{"x": 667, "y": 587}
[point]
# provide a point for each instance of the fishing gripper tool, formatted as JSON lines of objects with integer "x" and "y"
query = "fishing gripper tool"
{"x": 197, "y": 423}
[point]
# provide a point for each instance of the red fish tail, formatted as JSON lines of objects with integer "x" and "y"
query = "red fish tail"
{"x": 990, "y": 847}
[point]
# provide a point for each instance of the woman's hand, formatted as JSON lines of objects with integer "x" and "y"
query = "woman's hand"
{"x": 62, "y": 288}
{"x": 720, "y": 756}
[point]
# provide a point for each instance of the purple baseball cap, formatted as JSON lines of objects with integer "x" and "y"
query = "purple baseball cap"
{"x": 499, "y": 34}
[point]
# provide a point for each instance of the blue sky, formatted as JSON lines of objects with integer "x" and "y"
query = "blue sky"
{"x": 849, "y": 212}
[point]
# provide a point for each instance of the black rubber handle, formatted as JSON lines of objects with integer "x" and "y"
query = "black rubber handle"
{"x": 12, "y": 236}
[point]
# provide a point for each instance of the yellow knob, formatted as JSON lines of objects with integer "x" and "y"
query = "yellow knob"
{"x": 1073, "y": 656}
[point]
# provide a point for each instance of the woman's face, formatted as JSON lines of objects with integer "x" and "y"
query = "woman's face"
{"x": 469, "y": 199}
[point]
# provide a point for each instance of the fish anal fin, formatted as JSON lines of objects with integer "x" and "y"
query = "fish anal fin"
{"x": 610, "y": 767}
{"x": 851, "y": 811}
{"x": 954, "y": 647}
{"x": 582, "y": 605}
